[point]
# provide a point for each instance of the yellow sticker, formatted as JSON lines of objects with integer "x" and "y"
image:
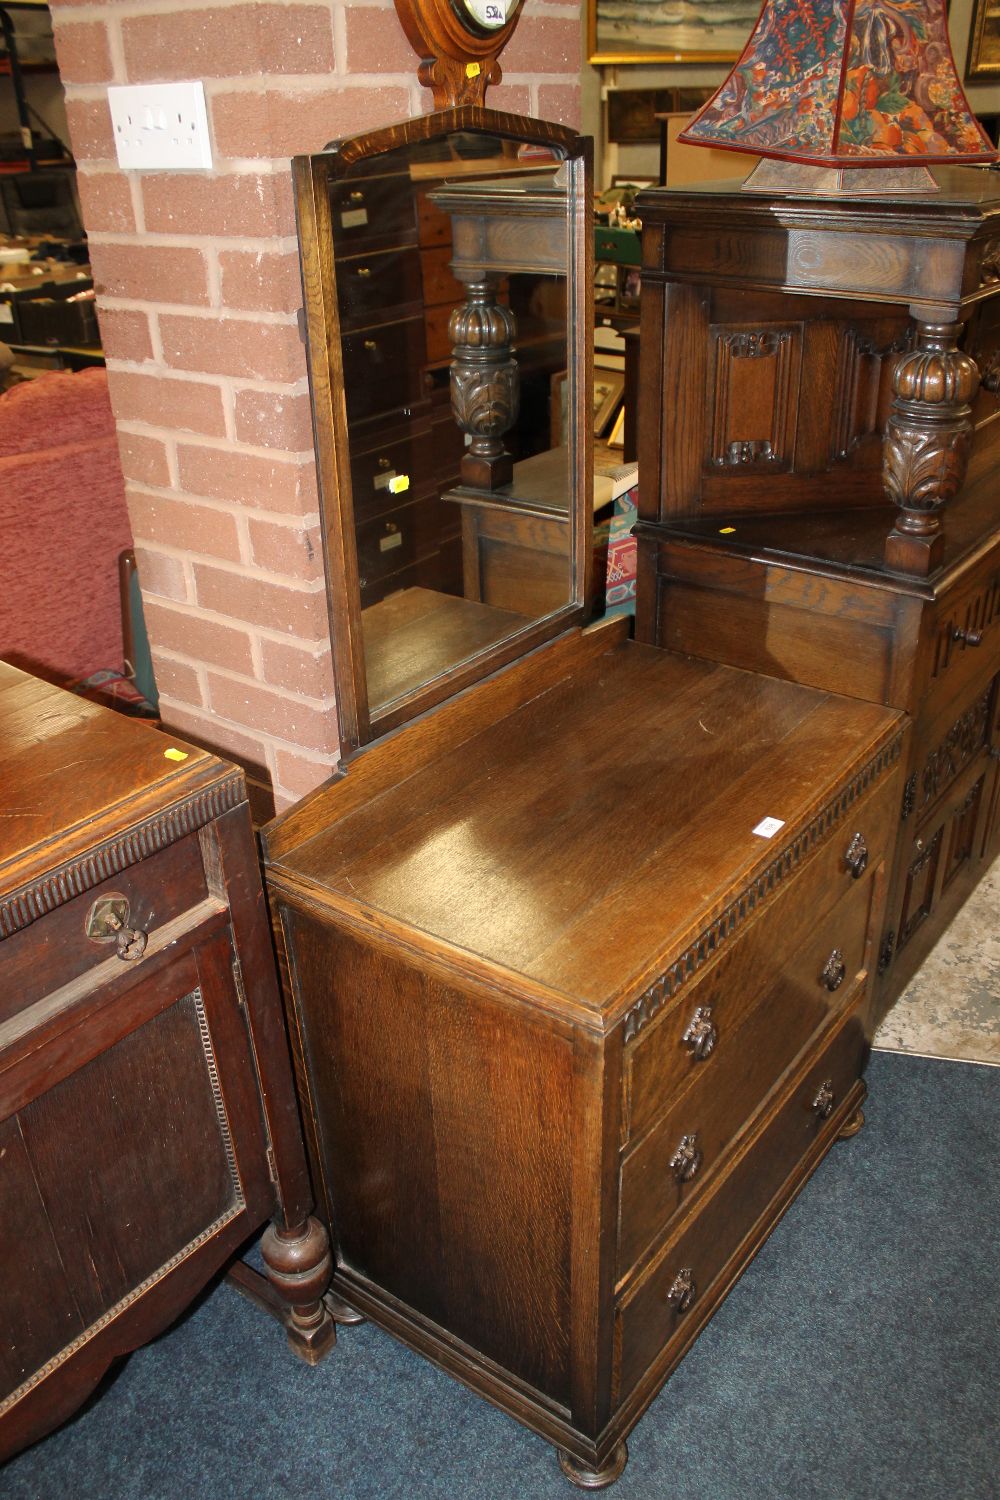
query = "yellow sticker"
{"x": 173, "y": 754}
{"x": 726, "y": 530}
{"x": 398, "y": 483}
{"x": 472, "y": 70}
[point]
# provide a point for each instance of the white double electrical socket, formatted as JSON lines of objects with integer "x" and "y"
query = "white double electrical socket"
{"x": 160, "y": 126}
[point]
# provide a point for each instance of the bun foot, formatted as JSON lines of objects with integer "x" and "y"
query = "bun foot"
{"x": 299, "y": 1266}
{"x": 339, "y": 1311}
{"x": 853, "y": 1125}
{"x": 594, "y": 1479}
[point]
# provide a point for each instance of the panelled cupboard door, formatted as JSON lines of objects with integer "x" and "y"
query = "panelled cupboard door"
{"x": 133, "y": 1164}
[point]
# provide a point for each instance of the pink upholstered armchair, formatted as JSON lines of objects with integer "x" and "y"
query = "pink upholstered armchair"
{"x": 63, "y": 528}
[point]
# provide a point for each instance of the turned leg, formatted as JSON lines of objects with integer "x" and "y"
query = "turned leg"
{"x": 299, "y": 1266}
{"x": 927, "y": 441}
{"x": 852, "y": 1125}
{"x": 594, "y": 1479}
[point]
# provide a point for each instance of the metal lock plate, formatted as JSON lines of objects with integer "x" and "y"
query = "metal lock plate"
{"x": 107, "y": 917}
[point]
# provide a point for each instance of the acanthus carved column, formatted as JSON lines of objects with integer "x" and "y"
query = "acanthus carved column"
{"x": 485, "y": 382}
{"x": 927, "y": 441}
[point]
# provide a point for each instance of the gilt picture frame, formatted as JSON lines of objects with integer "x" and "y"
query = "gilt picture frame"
{"x": 674, "y": 31}
{"x": 983, "y": 58}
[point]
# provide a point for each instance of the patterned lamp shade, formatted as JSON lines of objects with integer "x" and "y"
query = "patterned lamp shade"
{"x": 846, "y": 84}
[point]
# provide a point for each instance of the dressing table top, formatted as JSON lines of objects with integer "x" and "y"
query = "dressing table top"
{"x": 580, "y": 816}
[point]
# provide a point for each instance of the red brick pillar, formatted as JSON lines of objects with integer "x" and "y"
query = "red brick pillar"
{"x": 198, "y": 291}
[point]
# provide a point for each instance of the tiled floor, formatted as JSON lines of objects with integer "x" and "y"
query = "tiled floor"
{"x": 952, "y": 1007}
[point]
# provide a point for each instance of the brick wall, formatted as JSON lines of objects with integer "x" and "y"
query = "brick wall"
{"x": 197, "y": 278}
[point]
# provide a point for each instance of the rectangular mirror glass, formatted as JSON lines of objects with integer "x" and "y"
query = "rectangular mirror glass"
{"x": 444, "y": 267}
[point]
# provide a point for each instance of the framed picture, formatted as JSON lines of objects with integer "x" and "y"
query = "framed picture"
{"x": 632, "y": 113}
{"x": 616, "y": 437}
{"x": 983, "y": 59}
{"x": 609, "y": 387}
{"x": 668, "y": 31}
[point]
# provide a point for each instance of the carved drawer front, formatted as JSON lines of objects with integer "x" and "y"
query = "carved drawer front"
{"x": 966, "y": 633}
{"x": 945, "y": 749}
{"x": 397, "y": 466}
{"x": 118, "y": 919}
{"x": 382, "y": 367}
{"x": 667, "y": 1306}
{"x": 663, "y": 1051}
{"x": 368, "y": 210}
{"x": 674, "y": 1161}
{"x": 379, "y": 286}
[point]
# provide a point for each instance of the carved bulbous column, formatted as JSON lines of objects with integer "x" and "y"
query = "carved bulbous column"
{"x": 927, "y": 441}
{"x": 485, "y": 383}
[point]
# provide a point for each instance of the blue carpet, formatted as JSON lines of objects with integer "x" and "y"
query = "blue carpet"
{"x": 856, "y": 1360}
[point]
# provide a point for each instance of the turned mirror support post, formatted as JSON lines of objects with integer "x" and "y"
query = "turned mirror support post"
{"x": 927, "y": 442}
{"x": 485, "y": 382}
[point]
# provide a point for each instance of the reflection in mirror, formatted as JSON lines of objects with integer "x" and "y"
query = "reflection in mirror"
{"x": 449, "y": 334}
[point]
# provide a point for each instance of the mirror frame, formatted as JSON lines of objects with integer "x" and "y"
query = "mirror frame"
{"x": 312, "y": 175}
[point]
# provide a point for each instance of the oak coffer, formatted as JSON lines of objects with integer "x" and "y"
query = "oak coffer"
{"x": 148, "y": 1122}
{"x": 578, "y": 978}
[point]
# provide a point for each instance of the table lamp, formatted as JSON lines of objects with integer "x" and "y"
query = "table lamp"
{"x": 853, "y": 96}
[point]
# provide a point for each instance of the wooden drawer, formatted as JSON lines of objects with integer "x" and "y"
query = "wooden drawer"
{"x": 158, "y": 890}
{"x": 396, "y": 539}
{"x": 374, "y": 288}
{"x": 440, "y": 571}
{"x": 723, "y": 1099}
{"x": 708, "y": 1253}
{"x": 404, "y": 455}
{"x": 783, "y": 939}
{"x": 367, "y": 210}
{"x": 382, "y": 367}
{"x": 964, "y": 636}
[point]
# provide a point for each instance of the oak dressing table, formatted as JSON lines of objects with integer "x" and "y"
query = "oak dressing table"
{"x": 577, "y": 946}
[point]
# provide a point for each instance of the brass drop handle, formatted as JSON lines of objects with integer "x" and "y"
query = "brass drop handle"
{"x": 687, "y": 1159}
{"x": 371, "y": 345}
{"x": 130, "y": 942}
{"x": 357, "y": 196}
{"x": 834, "y": 971}
{"x": 683, "y": 1290}
{"x": 701, "y": 1034}
{"x": 364, "y": 271}
{"x": 856, "y": 856}
{"x": 825, "y": 1099}
{"x": 967, "y": 637}
{"x": 384, "y": 463}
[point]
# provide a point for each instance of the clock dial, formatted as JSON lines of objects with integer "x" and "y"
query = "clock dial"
{"x": 485, "y": 16}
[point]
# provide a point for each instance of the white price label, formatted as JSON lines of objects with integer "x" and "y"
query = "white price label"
{"x": 768, "y": 827}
